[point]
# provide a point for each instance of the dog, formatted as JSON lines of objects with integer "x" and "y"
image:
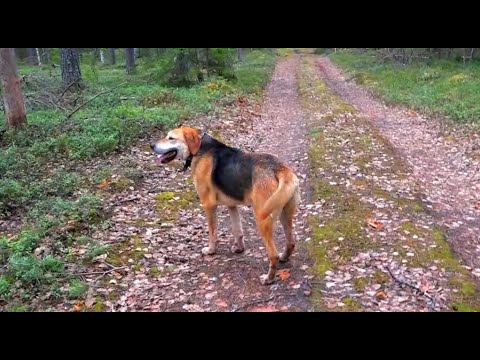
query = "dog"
{"x": 225, "y": 175}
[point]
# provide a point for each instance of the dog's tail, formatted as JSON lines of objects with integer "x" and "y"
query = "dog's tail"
{"x": 287, "y": 187}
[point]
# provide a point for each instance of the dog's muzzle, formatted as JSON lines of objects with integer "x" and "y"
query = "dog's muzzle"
{"x": 165, "y": 155}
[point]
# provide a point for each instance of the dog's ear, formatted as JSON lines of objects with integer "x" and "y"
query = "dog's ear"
{"x": 193, "y": 140}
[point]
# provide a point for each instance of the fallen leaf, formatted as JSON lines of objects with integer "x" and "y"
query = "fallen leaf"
{"x": 266, "y": 308}
{"x": 77, "y": 306}
{"x": 221, "y": 303}
{"x": 210, "y": 295}
{"x": 103, "y": 184}
{"x": 380, "y": 295}
{"x": 426, "y": 287}
{"x": 375, "y": 224}
{"x": 283, "y": 274}
{"x": 477, "y": 205}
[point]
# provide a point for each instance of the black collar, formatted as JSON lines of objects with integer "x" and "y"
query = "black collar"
{"x": 188, "y": 162}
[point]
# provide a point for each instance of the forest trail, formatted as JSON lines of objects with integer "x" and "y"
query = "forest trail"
{"x": 368, "y": 239}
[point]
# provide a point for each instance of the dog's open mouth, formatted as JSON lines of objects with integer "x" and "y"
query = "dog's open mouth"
{"x": 167, "y": 157}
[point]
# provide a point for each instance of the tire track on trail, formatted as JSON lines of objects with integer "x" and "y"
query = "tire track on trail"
{"x": 446, "y": 167}
{"x": 377, "y": 244}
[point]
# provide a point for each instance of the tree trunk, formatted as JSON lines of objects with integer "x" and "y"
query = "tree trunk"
{"x": 45, "y": 55}
{"x": 130, "y": 60}
{"x": 31, "y": 56}
{"x": 239, "y": 54}
{"x": 102, "y": 57}
{"x": 144, "y": 53}
{"x": 160, "y": 51}
{"x": 15, "y": 113}
{"x": 111, "y": 51}
{"x": 181, "y": 68}
{"x": 21, "y": 53}
{"x": 96, "y": 53}
{"x": 39, "y": 58}
{"x": 202, "y": 56}
{"x": 70, "y": 65}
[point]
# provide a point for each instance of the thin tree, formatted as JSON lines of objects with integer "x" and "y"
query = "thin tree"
{"x": 15, "y": 113}
{"x": 45, "y": 55}
{"x": 240, "y": 54}
{"x": 32, "y": 56}
{"x": 39, "y": 56}
{"x": 130, "y": 60}
{"x": 70, "y": 66}
{"x": 112, "y": 59}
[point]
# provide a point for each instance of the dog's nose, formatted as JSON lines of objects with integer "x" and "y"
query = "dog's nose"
{"x": 152, "y": 145}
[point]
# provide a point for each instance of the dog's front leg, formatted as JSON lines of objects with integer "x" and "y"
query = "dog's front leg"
{"x": 237, "y": 245}
{"x": 211, "y": 212}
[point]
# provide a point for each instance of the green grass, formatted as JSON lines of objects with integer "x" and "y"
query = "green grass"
{"x": 41, "y": 177}
{"x": 447, "y": 87}
{"x": 77, "y": 289}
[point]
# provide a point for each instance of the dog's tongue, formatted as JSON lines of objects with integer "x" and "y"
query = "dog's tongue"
{"x": 165, "y": 158}
{"x": 158, "y": 159}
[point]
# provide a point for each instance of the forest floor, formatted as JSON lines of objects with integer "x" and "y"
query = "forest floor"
{"x": 389, "y": 219}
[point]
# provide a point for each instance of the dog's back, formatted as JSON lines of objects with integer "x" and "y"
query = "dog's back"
{"x": 236, "y": 172}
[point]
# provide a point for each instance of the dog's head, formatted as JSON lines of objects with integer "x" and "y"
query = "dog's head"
{"x": 180, "y": 143}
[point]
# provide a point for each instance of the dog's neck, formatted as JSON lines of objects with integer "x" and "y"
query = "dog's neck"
{"x": 188, "y": 162}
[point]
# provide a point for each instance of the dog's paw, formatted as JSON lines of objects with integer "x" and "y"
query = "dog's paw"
{"x": 235, "y": 249}
{"x": 265, "y": 280}
{"x": 208, "y": 251}
{"x": 283, "y": 257}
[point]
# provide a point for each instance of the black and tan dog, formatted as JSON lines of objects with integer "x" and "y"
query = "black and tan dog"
{"x": 225, "y": 175}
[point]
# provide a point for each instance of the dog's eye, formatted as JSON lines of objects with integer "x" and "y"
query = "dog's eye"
{"x": 170, "y": 138}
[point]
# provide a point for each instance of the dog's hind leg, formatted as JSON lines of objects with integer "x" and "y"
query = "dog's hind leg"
{"x": 237, "y": 245}
{"x": 211, "y": 212}
{"x": 266, "y": 228}
{"x": 286, "y": 218}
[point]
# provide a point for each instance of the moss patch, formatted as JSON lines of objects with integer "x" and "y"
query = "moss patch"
{"x": 380, "y": 193}
{"x": 122, "y": 184}
{"x": 380, "y": 277}
{"x": 154, "y": 272}
{"x": 410, "y": 205}
{"x": 121, "y": 252}
{"x": 170, "y": 203}
{"x": 342, "y": 108}
{"x": 99, "y": 305}
{"x": 360, "y": 283}
{"x": 351, "y": 305}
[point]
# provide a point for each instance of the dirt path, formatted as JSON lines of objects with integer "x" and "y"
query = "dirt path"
{"x": 446, "y": 167}
{"x": 155, "y": 263}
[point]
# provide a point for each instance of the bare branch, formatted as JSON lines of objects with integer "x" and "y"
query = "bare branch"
{"x": 93, "y": 98}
